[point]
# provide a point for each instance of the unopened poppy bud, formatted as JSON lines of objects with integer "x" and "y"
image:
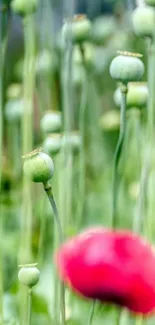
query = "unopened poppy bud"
{"x": 127, "y": 67}
{"x": 51, "y": 122}
{"x": 78, "y": 29}
{"x": 52, "y": 144}
{"x": 137, "y": 95}
{"x": 29, "y": 276}
{"x": 14, "y": 109}
{"x": 38, "y": 166}
{"x": 24, "y": 7}
{"x": 143, "y": 19}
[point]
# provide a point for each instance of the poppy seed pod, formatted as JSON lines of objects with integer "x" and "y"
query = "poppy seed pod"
{"x": 52, "y": 144}
{"x": 78, "y": 29}
{"x": 143, "y": 20}
{"x": 150, "y": 2}
{"x": 38, "y": 166}
{"x": 29, "y": 276}
{"x": 122, "y": 272}
{"x": 24, "y": 7}
{"x": 137, "y": 95}
{"x": 127, "y": 67}
{"x": 51, "y": 122}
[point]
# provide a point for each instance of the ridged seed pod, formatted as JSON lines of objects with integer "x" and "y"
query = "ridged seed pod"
{"x": 127, "y": 67}
{"x": 38, "y": 166}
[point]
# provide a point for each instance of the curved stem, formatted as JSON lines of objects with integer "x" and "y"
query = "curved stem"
{"x": 48, "y": 190}
{"x": 118, "y": 155}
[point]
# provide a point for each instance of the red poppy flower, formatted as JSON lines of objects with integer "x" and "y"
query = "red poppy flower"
{"x": 112, "y": 266}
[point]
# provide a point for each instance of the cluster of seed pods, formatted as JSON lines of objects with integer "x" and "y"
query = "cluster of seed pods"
{"x": 109, "y": 265}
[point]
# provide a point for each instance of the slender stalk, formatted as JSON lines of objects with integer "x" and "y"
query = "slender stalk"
{"x": 118, "y": 155}
{"x": 82, "y": 110}
{"x": 29, "y": 307}
{"x": 91, "y": 313}
{"x": 27, "y": 134}
{"x": 4, "y": 20}
{"x": 67, "y": 91}
{"x": 139, "y": 213}
{"x": 48, "y": 190}
{"x": 25, "y": 253}
{"x": 151, "y": 131}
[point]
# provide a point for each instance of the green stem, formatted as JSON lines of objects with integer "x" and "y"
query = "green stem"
{"x": 48, "y": 190}
{"x": 139, "y": 213}
{"x": 29, "y": 307}
{"x": 82, "y": 110}
{"x": 151, "y": 130}
{"x": 29, "y": 74}
{"x": 4, "y": 19}
{"x": 67, "y": 91}
{"x": 118, "y": 153}
{"x": 91, "y": 313}
{"x": 27, "y": 134}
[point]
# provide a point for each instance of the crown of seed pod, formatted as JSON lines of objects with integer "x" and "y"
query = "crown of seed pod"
{"x": 52, "y": 144}
{"x": 73, "y": 139}
{"x": 51, "y": 122}
{"x": 137, "y": 95}
{"x": 127, "y": 67}
{"x": 150, "y": 2}
{"x": 78, "y": 29}
{"x": 24, "y": 7}
{"x": 14, "y": 109}
{"x": 29, "y": 275}
{"x": 38, "y": 166}
{"x": 143, "y": 20}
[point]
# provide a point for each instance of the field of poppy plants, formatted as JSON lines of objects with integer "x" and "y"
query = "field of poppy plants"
{"x": 77, "y": 163}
